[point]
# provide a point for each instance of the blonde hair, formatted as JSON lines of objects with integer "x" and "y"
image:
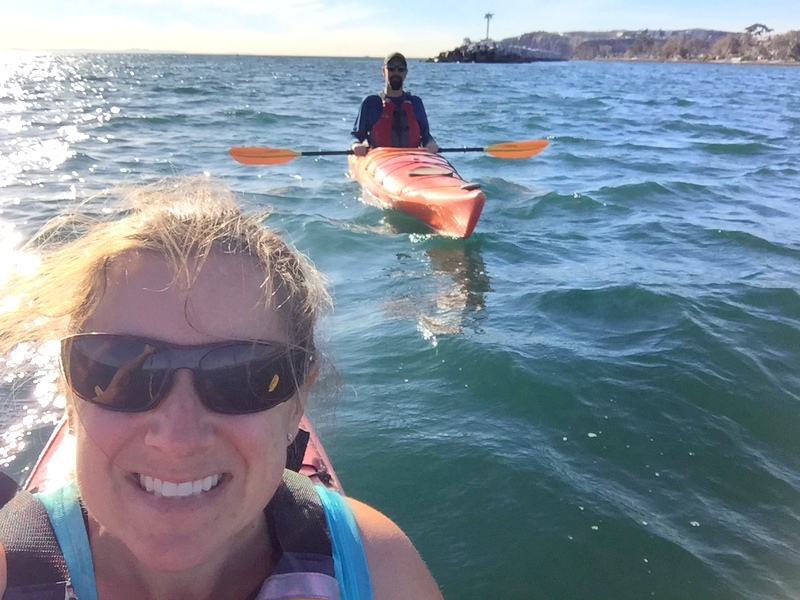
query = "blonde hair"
{"x": 181, "y": 219}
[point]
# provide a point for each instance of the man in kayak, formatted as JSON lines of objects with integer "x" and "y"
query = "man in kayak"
{"x": 394, "y": 117}
{"x": 186, "y": 331}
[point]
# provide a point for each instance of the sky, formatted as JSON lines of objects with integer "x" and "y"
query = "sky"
{"x": 418, "y": 28}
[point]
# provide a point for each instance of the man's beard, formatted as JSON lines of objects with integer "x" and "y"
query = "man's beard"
{"x": 395, "y": 83}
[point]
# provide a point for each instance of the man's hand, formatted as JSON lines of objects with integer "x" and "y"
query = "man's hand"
{"x": 360, "y": 148}
{"x": 432, "y": 146}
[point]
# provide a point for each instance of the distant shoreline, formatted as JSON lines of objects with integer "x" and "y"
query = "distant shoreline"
{"x": 756, "y": 45}
{"x": 694, "y": 61}
{"x": 731, "y": 61}
{"x": 749, "y": 63}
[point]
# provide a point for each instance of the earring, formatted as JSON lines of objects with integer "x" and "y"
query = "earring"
{"x": 290, "y": 437}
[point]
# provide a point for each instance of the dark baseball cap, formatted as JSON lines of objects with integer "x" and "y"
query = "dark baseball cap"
{"x": 396, "y": 58}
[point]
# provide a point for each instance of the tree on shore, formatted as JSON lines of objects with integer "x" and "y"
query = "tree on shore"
{"x": 757, "y": 30}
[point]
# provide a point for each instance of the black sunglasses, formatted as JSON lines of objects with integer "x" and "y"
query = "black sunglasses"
{"x": 392, "y": 69}
{"x": 132, "y": 374}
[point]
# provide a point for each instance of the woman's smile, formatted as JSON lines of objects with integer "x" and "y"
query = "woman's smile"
{"x": 170, "y": 489}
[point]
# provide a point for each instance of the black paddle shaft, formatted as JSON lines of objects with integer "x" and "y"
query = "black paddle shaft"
{"x": 341, "y": 152}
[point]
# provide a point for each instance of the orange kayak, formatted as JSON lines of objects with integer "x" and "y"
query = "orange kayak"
{"x": 423, "y": 185}
{"x": 57, "y": 461}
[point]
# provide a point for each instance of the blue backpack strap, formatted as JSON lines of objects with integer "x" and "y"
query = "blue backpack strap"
{"x": 66, "y": 516}
{"x": 349, "y": 558}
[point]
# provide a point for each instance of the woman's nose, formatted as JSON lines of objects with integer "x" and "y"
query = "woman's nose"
{"x": 180, "y": 425}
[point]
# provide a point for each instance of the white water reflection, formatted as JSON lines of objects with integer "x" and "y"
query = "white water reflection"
{"x": 47, "y": 107}
{"x": 30, "y": 396}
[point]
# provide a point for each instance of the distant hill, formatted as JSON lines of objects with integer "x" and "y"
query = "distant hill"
{"x": 755, "y": 44}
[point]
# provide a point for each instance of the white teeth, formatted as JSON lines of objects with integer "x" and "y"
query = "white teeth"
{"x": 169, "y": 489}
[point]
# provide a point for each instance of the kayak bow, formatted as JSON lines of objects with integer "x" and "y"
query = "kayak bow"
{"x": 423, "y": 185}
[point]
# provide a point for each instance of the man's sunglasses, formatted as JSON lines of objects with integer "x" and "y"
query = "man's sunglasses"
{"x": 132, "y": 374}
{"x": 393, "y": 68}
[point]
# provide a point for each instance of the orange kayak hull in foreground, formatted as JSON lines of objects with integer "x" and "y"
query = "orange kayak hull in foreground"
{"x": 423, "y": 185}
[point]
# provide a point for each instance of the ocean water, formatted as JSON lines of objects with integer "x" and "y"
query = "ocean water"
{"x": 597, "y": 395}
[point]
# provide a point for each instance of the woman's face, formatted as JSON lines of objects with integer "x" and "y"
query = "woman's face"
{"x": 180, "y": 440}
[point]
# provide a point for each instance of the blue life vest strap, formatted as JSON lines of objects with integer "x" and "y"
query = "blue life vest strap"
{"x": 349, "y": 558}
{"x": 65, "y": 513}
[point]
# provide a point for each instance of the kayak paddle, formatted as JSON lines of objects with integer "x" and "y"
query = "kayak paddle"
{"x": 255, "y": 155}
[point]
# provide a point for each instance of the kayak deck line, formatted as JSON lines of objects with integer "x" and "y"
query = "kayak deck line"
{"x": 426, "y": 171}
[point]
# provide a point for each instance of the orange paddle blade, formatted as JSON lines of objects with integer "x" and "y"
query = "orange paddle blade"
{"x": 254, "y": 155}
{"x": 524, "y": 149}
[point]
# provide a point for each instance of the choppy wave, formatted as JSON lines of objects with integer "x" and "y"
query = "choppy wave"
{"x": 735, "y": 148}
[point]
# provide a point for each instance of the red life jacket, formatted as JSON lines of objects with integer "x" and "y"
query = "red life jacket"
{"x": 398, "y": 126}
